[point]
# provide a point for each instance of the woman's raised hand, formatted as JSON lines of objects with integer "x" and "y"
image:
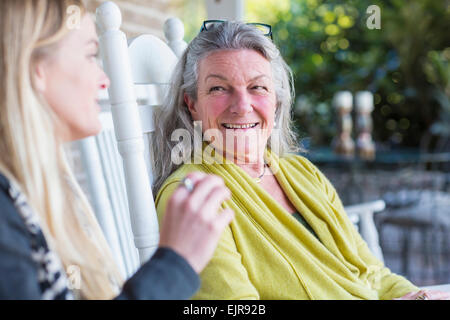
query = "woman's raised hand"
{"x": 192, "y": 223}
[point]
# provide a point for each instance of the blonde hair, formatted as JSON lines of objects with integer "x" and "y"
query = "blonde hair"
{"x": 33, "y": 155}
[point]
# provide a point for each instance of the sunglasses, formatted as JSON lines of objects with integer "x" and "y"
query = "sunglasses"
{"x": 266, "y": 29}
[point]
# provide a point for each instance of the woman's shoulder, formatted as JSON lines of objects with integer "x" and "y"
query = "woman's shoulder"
{"x": 4, "y": 182}
{"x": 302, "y": 165}
{"x": 172, "y": 182}
{"x": 14, "y": 235}
{"x": 10, "y": 220}
{"x": 8, "y": 212}
{"x": 24, "y": 250}
{"x": 178, "y": 175}
{"x": 19, "y": 278}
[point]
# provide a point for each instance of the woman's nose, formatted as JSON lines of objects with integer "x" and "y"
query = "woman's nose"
{"x": 241, "y": 103}
{"x": 104, "y": 81}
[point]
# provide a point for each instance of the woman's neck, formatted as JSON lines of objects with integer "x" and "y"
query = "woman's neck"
{"x": 253, "y": 165}
{"x": 253, "y": 169}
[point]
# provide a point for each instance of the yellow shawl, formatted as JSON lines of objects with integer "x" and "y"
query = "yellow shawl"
{"x": 266, "y": 253}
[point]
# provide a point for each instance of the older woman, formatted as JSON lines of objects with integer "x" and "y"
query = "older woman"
{"x": 291, "y": 238}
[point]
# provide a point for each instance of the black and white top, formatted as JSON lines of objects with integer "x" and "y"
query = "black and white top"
{"x": 30, "y": 270}
{"x": 51, "y": 275}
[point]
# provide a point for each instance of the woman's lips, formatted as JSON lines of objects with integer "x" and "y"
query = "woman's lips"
{"x": 240, "y": 126}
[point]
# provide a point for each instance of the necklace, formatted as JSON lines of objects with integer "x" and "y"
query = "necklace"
{"x": 258, "y": 179}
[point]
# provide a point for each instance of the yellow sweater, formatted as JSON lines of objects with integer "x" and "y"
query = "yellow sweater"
{"x": 266, "y": 253}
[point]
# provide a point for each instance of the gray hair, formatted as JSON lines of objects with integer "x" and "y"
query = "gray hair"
{"x": 175, "y": 114}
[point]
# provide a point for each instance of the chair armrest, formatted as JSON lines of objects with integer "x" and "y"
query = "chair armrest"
{"x": 363, "y": 213}
{"x": 362, "y": 208}
{"x": 442, "y": 287}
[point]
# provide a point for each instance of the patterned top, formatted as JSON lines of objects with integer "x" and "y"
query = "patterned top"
{"x": 30, "y": 270}
{"x": 51, "y": 275}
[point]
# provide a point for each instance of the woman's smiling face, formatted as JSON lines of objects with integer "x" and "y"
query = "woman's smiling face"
{"x": 236, "y": 97}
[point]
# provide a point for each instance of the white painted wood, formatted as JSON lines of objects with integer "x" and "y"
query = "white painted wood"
{"x": 364, "y": 101}
{"x": 174, "y": 33}
{"x": 364, "y": 213}
{"x": 128, "y": 129}
{"x": 146, "y": 114}
{"x": 225, "y": 9}
{"x": 99, "y": 198}
{"x": 148, "y": 126}
{"x": 441, "y": 287}
{"x": 115, "y": 184}
{"x": 151, "y": 60}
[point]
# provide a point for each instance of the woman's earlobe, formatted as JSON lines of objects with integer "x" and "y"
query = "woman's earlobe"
{"x": 39, "y": 78}
{"x": 190, "y": 103}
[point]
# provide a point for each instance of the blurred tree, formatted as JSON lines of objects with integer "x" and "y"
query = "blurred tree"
{"x": 437, "y": 69}
{"x": 330, "y": 48}
{"x": 192, "y": 13}
{"x": 267, "y": 11}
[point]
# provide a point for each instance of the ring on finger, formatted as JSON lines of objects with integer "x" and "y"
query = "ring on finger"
{"x": 188, "y": 184}
{"x": 423, "y": 296}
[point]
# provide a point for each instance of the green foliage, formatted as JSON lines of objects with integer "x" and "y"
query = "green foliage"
{"x": 437, "y": 69}
{"x": 192, "y": 13}
{"x": 330, "y": 48}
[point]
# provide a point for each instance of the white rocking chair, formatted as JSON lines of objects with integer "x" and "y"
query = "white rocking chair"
{"x": 125, "y": 179}
{"x": 117, "y": 160}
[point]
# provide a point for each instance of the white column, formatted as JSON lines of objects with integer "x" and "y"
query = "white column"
{"x": 114, "y": 50}
{"x": 174, "y": 33}
{"x": 225, "y": 9}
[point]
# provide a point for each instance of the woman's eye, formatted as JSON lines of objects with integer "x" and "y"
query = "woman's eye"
{"x": 217, "y": 88}
{"x": 94, "y": 56}
{"x": 259, "y": 88}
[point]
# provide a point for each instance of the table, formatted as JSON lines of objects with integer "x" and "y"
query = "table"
{"x": 396, "y": 162}
{"x": 400, "y": 156}
{"x": 442, "y": 287}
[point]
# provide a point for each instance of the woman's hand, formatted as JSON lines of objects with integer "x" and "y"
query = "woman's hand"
{"x": 426, "y": 295}
{"x": 192, "y": 224}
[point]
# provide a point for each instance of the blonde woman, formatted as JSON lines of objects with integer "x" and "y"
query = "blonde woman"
{"x": 49, "y": 81}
